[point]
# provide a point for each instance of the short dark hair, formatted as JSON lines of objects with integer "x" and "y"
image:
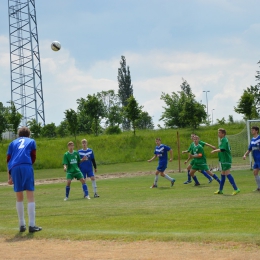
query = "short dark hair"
{"x": 222, "y": 130}
{"x": 158, "y": 139}
{"x": 24, "y": 132}
{"x": 70, "y": 143}
{"x": 255, "y": 128}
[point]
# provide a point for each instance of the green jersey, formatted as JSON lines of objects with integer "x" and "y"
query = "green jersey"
{"x": 192, "y": 146}
{"x": 72, "y": 161}
{"x": 225, "y": 155}
{"x": 198, "y": 149}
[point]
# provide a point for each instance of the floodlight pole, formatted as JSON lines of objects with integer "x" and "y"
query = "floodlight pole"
{"x": 206, "y": 91}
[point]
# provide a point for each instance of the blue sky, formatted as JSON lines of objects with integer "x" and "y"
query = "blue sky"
{"x": 213, "y": 44}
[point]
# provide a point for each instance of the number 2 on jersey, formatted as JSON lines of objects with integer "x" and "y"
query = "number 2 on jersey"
{"x": 21, "y": 146}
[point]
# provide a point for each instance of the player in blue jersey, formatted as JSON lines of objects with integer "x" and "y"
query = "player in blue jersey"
{"x": 254, "y": 147}
{"x": 161, "y": 151}
{"x": 87, "y": 165}
{"x": 21, "y": 155}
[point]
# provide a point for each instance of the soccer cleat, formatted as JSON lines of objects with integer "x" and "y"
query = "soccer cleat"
{"x": 34, "y": 229}
{"x": 211, "y": 180}
{"x": 96, "y": 195}
{"x": 87, "y": 197}
{"x": 236, "y": 192}
{"x": 218, "y": 192}
{"x": 22, "y": 228}
{"x": 66, "y": 198}
{"x": 197, "y": 184}
{"x": 172, "y": 182}
{"x": 187, "y": 182}
{"x": 154, "y": 186}
{"x": 257, "y": 189}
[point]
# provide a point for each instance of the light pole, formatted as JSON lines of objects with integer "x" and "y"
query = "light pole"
{"x": 212, "y": 115}
{"x": 206, "y": 91}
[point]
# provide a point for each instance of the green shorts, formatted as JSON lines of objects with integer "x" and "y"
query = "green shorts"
{"x": 77, "y": 175}
{"x": 200, "y": 167}
{"x": 192, "y": 162}
{"x": 225, "y": 166}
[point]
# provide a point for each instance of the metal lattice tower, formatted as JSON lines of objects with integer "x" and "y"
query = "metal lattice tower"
{"x": 25, "y": 66}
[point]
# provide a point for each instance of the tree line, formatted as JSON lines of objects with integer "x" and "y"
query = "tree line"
{"x": 110, "y": 112}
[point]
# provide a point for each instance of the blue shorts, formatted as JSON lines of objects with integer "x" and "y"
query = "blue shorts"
{"x": 88, "y": 174}
{"x": 256, "y": 165}
{"x": 161, "y": 167}
{"x": 23, "y": 177}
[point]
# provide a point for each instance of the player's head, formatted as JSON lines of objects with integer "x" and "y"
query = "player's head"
{"x": 254, "y": 130}
{"x": 196, "y": 139}
{"x": 158, "y": 141}
{"x": 84, "y": 142}
{"x": 24, "y": 132}
{"x": 70, "y": 145}
{"x": 221, "y": 132}
{"x": 192, "y": 136}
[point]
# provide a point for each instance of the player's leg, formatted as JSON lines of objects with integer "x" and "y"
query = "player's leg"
{"x": 166, "y": 176}
{"x": 94, "y": 186}
{"x": 188, "y": 175}
{"x": 192, "y": 174}
{"x": 226, "y": 171}
{"x": 222, "y": 183}
{"x": 256, "y": 175}
{"x": 207, "y": 176}
{"x": 215, "y": 177}
{"x": 67, "y": 189}
{"x": 155, "y": 179}
{"x": 79, "y": 176}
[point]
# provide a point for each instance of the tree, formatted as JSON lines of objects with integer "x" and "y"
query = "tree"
{"x": 62, "y": 129}
{"x": 35, "y": 128}
{"x": 85, "y": 122}
{"x": 125, "y": 87}
{"x": 73, "y": 123}
{"x": 3, "y": 120}
{"x": 95, "y": 110}
{"x": 247, "y": 104}
{"x": 132, "y": 111}
{"x": 13, "y": 117}
{"x": 230, "y": 119}
{"x": 145, "y": 121}
{"x": 49, "y": 130}
{"x": 182, "y": 110}
{"x": 221, "y": 121}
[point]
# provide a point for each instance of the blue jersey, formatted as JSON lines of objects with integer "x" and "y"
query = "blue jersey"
{"x": 19, "y": 151}
{"x": 86, "y": 166}
{"x": 161, "y": 153}
{"x": 254, "y": 146}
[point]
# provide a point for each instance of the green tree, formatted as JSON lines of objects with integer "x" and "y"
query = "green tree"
{"x": 247, "y": 104}
{"x": 3, "y": 120}
{"x": 49, "y": 130}
{"x": 35, "y": 128}
{"x": 13, "y": 117}
{"x": 84, "y": 120}
{"x": 95, "y": 110}
{"x": 145, "y": 121}
{"x": 132, "y": 111}
{"x": 73, "y": 123}
{"x": 230, "y": 119}
{"x": 62, "y": 128}
{"x": 125, "y": 87}
{"x": 182, "y": 110}
{"x": 221, "y": 121}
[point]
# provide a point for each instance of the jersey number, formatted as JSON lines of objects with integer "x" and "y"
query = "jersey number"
{"x": 21, "y": 144}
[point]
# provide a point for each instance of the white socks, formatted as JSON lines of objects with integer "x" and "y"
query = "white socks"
{"x": 156, "y": 179}
{"x": 31, "y": 213}
{"x": 20, "y": 212}
{"x": 257, "y": 179}
{"x": 94, "y": 186}
{"x": 168, "y": 177}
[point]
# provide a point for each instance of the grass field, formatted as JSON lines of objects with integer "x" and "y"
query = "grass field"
{"x": 129, "y": 210}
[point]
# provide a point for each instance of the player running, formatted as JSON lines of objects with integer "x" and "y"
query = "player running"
{"x": 192, "y": 161}
{"x": 225, "y": 159}
{"x": 254, "y": 147}
{"x": 71, "y": 159}
{"x": 200, "y": 161}
{"x": 21, "y": 155}
{"x": 86, "y": 166}
{"x": 161, "y": 151}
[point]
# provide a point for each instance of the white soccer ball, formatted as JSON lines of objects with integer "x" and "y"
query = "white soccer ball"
{"x": 55, "y": 46}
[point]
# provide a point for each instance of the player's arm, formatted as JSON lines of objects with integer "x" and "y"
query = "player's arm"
{"x": 171, "y": 155}
{"x": 33, "y": 156}
{"x": 198, "y": 155}
{"x": 9, "y": 177}
{"x": 187, "y": 159}
{"x": 65, "y": 163}
{"x": 94, "y": 164}
{"x": 247, "y": 153}
{"x": 211, "y": 146}
{"x": 185, "y": 151}
{"x": 218, "y": 150}
{"x": 152, "y": 158}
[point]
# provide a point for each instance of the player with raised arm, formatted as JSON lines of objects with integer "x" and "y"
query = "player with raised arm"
{"x": 200, "y": 162}
{"x": 225, "y": 159}
{"x": 161, "y": 151}
{"x": 254, "y": 147}
{"x": 71, "y": 159}
{"x": 192, "y": 161}
{"x": 21, "y": 155}
{"x": 86, "y": 166}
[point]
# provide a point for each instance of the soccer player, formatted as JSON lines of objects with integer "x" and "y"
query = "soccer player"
{"x": 254, "y": 147}
{"x": 71, "y": 159}
{"x": 86, "y": 166}
{"x": 161, "y": 151}
{"x": 225, "y": 159}
{"x": 200, "y": 161}
{"x": 192, "y": 161}
{"x": 21, "y": 155}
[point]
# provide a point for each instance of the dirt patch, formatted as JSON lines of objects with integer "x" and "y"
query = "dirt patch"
{"x": 114, "y": 250}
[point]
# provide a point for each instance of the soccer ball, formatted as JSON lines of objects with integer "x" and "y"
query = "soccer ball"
{"x": 55, "y": 46}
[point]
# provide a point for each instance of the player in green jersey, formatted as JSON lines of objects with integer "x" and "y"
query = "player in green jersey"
{"x": 225, "y": 159}
{"x": 71, "y": 160}
{"x": 192, "y": 161}
{"x": 200, "y": 162}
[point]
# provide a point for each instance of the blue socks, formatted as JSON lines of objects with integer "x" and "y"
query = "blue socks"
{"x": 216, "y": 178}
{"x": 67, "y": 191}
{"x": 206, "y": 175}
{"x": 222, "y": 182}
{"x": 189, "y": 177}
{"x": 85, "y": 189}
{"x": 232, "y": 181}
{"x": 195, "y": 179}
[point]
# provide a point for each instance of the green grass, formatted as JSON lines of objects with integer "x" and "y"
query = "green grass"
{"x": 129, "y": 210}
